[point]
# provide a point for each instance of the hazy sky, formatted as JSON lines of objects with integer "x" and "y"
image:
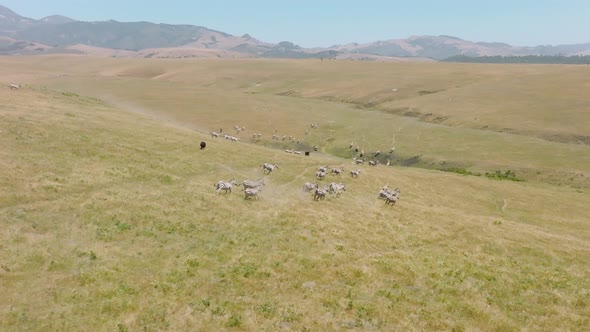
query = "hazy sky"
{"x": 323, "y": 22}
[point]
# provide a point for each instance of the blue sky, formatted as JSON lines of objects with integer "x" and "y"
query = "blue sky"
{"x": 323, "y": 22}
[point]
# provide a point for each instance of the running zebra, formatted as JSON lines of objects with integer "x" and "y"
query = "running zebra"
{"x": 324, "y": 169}
{"x": 320, "y": 194}
{"x": 337, "y": 171}
{"x": 390, "y": 196}
{"x": 320, "y": 175}
{"x": 249, "y": 184}
{"x": 337, "y": 188}
{"x": 266, "y": 167}
{"x": 355, "y": 173}
{"x": 308, "y": 186}
{"x": 227, "y": 186}
{"x": 252, "y": 192}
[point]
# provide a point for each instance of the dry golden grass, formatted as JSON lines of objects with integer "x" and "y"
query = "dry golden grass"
{"x": 474, "y": 102}
{"x": 110, "y": 221}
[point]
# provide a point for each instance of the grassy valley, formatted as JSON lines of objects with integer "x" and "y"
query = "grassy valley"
{"x": 110, "y": 220}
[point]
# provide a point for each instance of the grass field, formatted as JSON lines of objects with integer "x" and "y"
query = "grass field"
{"x": 110, "y": 221}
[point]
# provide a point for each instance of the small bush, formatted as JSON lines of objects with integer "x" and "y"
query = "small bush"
{"x": 218, "y": 311}
{"x": 121, "y": 226}
{"x": 166, "y": 179}
{"x": 266, "y": 309}
{"x": 234, "y": 321}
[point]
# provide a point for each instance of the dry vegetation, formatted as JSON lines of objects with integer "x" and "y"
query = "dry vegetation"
{"x": 110, "y": 221}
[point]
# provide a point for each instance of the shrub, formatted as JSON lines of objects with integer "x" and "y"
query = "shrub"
{"x": 507, "y": 175}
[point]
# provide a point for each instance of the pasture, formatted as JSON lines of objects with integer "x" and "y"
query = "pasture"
{"x": 110, "y": 220}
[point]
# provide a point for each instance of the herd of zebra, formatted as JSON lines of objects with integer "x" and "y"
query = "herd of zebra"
{"x": 252, "y": 188}
{"x": 320, "y": 193}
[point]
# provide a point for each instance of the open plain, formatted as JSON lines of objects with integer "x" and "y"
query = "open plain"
{"x": 110, "y": 220}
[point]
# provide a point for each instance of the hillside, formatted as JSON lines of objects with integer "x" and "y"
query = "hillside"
{"x": 441, "y": 116}
{"x": 110, "y": 221}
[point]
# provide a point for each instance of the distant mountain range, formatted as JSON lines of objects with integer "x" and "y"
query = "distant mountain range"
{"x": 59, "y": 34}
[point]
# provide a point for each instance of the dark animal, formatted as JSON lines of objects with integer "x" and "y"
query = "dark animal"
{"x": 203, "y": 145}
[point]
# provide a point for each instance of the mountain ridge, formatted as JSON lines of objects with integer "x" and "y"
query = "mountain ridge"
{"x": 57, "y": 34}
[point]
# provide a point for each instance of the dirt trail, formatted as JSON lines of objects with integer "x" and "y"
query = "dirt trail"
{"x": 133, "y": 107}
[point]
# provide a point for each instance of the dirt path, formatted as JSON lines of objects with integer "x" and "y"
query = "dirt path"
{"x": 133, "y": 107}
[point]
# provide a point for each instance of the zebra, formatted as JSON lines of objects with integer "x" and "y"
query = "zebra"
{"x": 14, "y": 86}
{"x": 222, "y": 185}
{"x": 386, "y": 192}
{"x": 355, "y": 173}
{"x": 337, "y": 171}
{"x": 392, "y": 196}
{"x": 249, "y": 184}
{"x": 337, "y": 188}
{"x": 308, "y": 186}
{"x": 269, "y": 167}
{"x": 359, "y": 161}
{"x": 320, "y": 194}
{"x": 373, "y": 162}
{"x": 391, "y": 199}
{"x": 320, "y": 175}
{"x": 323, "y": 169}
{"x": 252, "y": 192}
{"x": 215, "y": 134}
